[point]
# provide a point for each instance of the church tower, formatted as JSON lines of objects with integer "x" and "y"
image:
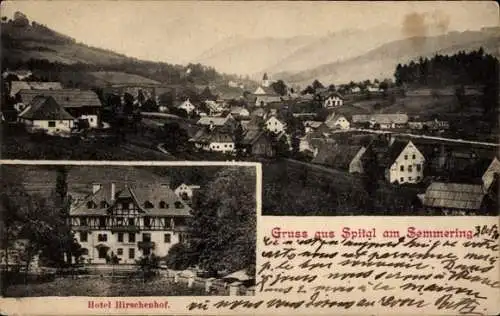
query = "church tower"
{"x": 265, "y": 81}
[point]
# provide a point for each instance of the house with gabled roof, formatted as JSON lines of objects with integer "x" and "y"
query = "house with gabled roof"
{"x": 337, "y": 121}
{"x": 239, "y": 112}
{"x": 258, "y": 143}
{"x": 273, "y": 124}
{"x": 215, "y": 139}
{"x": 186, "y": 191}
{"x": 400, "y": 161}
{"x": 333, "y": 100}
{"x": 128, "y": 221}
{"x": 457, "y": 199}
{"x": 489, "y": 175}
{"x": 81, "y": 104}
{"x": 341, "y": 156}
{"x": 228, "y": 122}
{"x": 187, "y": 106}
{"x": 384, "y": 121}
{"x": 45, "y": 114}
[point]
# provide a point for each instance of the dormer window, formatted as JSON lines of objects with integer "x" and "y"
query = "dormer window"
{"x": 148, "y": 204}
{"x": 178, "y": 205}
{"x": 91, "y": 205}
{"x": 104, "y": 204}
{"x": 163, "y": 204}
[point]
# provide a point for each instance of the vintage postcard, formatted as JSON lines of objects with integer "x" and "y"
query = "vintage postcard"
{"x": 249, "y": 157}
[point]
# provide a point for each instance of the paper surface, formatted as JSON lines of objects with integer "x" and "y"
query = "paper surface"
{"x": 357, "y": 66}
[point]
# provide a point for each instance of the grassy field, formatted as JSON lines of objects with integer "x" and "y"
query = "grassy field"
{"x": 101, "y": 287}
{"x": 302, "y": 189}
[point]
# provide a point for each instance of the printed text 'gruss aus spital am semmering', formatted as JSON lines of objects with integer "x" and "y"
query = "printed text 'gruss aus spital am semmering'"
{"x": 356, "y": 233}
{"x": 411, "y": 273}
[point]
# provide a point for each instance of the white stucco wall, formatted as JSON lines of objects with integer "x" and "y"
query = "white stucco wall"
{"x": 58, "y": 126}
{"x": 412, "y": 162}
{"x": 158, "y": 237}
{"x": 274, "y": 125}
{"x": 222, "y": 147}
{"x": 92, "y": 119}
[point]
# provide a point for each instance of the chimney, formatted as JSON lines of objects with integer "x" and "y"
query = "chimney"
{"x": 113, "y": 191}
{"x": 96, "y": 187}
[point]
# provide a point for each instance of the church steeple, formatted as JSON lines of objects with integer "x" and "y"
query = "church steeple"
{"x": 265, "y": 80}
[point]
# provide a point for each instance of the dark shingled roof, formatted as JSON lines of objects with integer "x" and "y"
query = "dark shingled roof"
{"x": 45, "y": 108}
{"x": 153, "y": 193}
{"x": 214, "y": 136}
{"x": 454, "y": 195}
{"x": 336, "y": 155}
{"x": 68, "y": 98}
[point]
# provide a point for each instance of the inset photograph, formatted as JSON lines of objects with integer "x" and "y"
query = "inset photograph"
{"x": 75, "y": 230}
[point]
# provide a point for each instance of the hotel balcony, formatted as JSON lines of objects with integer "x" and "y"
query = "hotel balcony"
{"x": 146, "y": 245}
{"x": 128, "y": 228}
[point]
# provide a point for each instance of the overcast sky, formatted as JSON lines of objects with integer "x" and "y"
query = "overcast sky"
{"x": 178, "y": 31}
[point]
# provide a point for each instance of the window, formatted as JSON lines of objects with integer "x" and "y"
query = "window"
{"x": 166, "y": 222}
{"x": 178, "y": 205}
{"x": 131, "y": 222}
{"x": 163, "y": 204}
{"x": 119, "y": 251}
{"x": 410, "y": 168}
{"x": 146, "y": 237}
{"x": 409, "y": 178}
{"x": 419, "y": 167}
{"x": 83, "y": 221}
{"x": 131, "y": 253}
{"x": 418, "y": 178}
{"x": 401, "y": 180}
{"x": 148, "y": 204}
{"x": 413, "y": 157}
{"x": 91, "y": 205}
{"x": 120, "y": 237}
{"x": 83, "y": 236}
{"x": 147, "y": 221}
{"x": 401, "y": 168}
{"x": 52, "y": 124}
{"x": 167, "y": 238}
{"x": 104, "y": 204}
{"x": 102, "y": 237}
{"x": 91, "y": 119}
{"x": 102, "y": 222}
{"x": 406, "y": 157}
{"x": 131, "y": 237}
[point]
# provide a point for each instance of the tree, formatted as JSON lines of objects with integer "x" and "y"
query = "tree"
{"x": 20, "y": 19}
{"x": 295, "y": 140}
{"x": 309, "y": 90}
{"x": 279, "y": 87}
{"x": 180, "y": 257}
{"x": 174, "y": 137}
{"x": 317, "y": 85}
{"x": 223, "y": 226}
{"x": 148, "y": 266}
{"x": 371, "y": 174}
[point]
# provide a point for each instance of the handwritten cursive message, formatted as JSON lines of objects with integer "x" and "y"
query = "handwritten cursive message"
{"x": 398, "y": 268}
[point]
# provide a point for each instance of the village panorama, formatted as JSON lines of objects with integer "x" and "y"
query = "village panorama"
{"x": 421, "y": 141}
{"x": 351, "y": 122}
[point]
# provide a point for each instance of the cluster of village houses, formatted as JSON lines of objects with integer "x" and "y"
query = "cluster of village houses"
{"x": 261, "y": 123}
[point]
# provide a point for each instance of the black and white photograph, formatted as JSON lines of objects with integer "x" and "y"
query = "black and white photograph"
{"x": 123, "y": 231}
{"x": 353, "y": 108}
